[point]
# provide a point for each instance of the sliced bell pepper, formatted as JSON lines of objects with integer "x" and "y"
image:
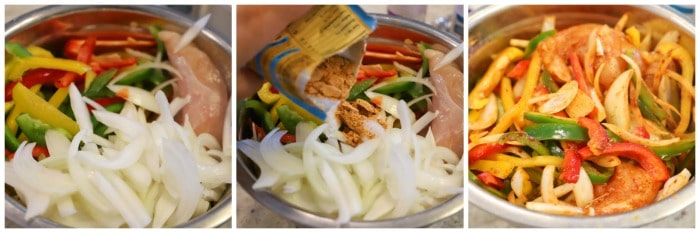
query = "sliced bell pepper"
{"x": 596, "y": 132}
{"x": 549, "y": 131}
{"x": 73, "y": 46}
{"x": 35, "y": 130}
{"x": 548, "y": 82}
{"x": 29, "y": 63}
{"x": 581, "y": 79}
{"x": 478, "y": 97}
{"x": 11, "y": 142}
{"x": 515, "y": 114}
{"x": 644, "y": 157}
{"x": 34, "y": 77}
{"x": 641, "y": 132}
{"x": 27, "y": 101}
{"x": 546, "y": 118}
{"x": 532, "y": 45}
{"x": 396, "y": 87}
{"x": 374, "y": 71}
{"x": 289, "y": 118}
{"x": 490, "y": 180}
{"x": 500, "y": 169}
{"x": 675, "y": 149}
{"x": 597, "y": 175}
{"x": 261, "y": 113}
{"x": 266, "y": 94}
{"x": 17, "y": 50}
{"x": 523, "y": 138}
{"x": 571, "y": 167}
{"x": 154, "y": 29}
{"x": 84, "y": 55}
{"x": 553, "y": 148}
{"x": 519, "y": 69}
{"x": 288, "y": 138}
{"x": 97, "y": 87}
{"x": 485, "y": 150}
{"x": 490, "y": 189}
{"x": 357, "y": 90}
{"x": 537, "y": 161}
{"x": 115, "y": 62}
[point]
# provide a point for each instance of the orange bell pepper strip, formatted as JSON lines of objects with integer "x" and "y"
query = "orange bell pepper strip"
{"x": 599, "y": 139}
{"x": 485, "y": 150}
{"x": 490, "y": 180}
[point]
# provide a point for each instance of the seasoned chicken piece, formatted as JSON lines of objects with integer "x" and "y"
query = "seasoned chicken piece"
{"x": 629, "y": 188}
{"x": 202, "y": 82}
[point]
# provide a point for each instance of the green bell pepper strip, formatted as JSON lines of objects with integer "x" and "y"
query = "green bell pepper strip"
{"x": 396, "y": 87}
{"x": 17, "y": 50}
{"x": 359, "y": 88}
{"x": 289, "y": 118}
{"x": 675, "y": 149}
{"x": 490, "y": 189}
{"x": 98, "y": 85}
{"x": 535, "y": 174}
{"x": 548, "y": 82}
{"x": 523, "y": 138}
{"x": 261, "y": 113}
{"x": 554, "y": 149}
{"x": 35, "y": 129}
{"x": 11, "y": 142}
{"x": 549, "y": 131}
{"x": 598, "y": 175}
{"x": 532, "y": 45}
{"x": 688, "y": 162}
{"x": 155, "y": 29}
{"x": 136, "y": 77}
{"x": 422, "y": 46}
{"x": 40, "y": 109}
{"x": 545, "y": 118}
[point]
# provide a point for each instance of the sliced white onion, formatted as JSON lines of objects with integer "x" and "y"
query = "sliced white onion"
{"x": 192, "y": 32}
{"x": 138, "y": 96}
{"x": 274, "y": 154}
{"x": 450, "y": 57}
{"x": 583, "y": 190}
{"x": 82, "y": 116}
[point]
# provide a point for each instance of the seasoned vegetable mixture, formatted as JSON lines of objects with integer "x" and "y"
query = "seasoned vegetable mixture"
{"x": 585, "y": 120}
{"x": 116, "y": 131}
{"x": 391, "y": 148}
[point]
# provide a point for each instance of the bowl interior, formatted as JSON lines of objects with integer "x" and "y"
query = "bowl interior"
{"x": 50, "y": 27}
{"x": 491, "y": 29}
{"x": 390, "y": 31}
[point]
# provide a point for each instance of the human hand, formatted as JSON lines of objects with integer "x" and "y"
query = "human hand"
{"x": 256, "y": 26}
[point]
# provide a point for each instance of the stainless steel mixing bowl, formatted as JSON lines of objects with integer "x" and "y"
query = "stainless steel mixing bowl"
{"x": 490, "y": 30}
{"x": 47, "y": 27}
{"x": 390, "y": 30}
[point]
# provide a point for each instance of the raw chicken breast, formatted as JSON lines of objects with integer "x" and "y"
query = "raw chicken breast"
{"x": 448, "y": 127}
{"x": 202, "y": 82}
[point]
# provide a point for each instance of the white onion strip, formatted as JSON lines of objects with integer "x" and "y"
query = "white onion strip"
{"x": 192, "y": 32}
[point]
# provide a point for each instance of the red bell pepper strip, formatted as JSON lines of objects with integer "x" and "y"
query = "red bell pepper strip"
{"x": 84, "y": 56}
{"x": 34, "y": 77}
{"x": 108, "y": 62}
{"x": 599, "y": 139}
{"x": 288, "y": 138}
{"x": 104, "y": 102}
{"x": 39, "y": 151}
{"x": 571, "y": 166}
{"x": 581, "y": 79}
{"x": 519, "y": 69}
{"x": 641, "y": 132}
{"x": 644, "y": 156}
{"x": 485, "y": 150}
{"x": 585, "y": 153}
{"x": 490, "y": 180}
{"x": 374, "y": 71}
{"x": 73, "y": 46}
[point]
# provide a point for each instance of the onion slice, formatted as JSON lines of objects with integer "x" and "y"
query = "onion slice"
{"x": 192, "y": 32}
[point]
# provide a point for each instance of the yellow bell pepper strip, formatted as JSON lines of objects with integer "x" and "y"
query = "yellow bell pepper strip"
{"x": 682, "y": 56}
{"x": 48, "y": 63}
{"x": 500, "y": 169}
{"x": 8, "y": 106}
{"x": 58, "y": 97}
{"x": 516, "y": 113}
{"x": 479, "y": 95}
{"x": 537, "y": 161}
{"x": 11, "y": 119}
{"x": 507, "y": 94}
{"x": 27, "y": 101}
{"x": 633, "y": 36}
{"x": 39, "y": 51}
{"x": 266, "y": 94}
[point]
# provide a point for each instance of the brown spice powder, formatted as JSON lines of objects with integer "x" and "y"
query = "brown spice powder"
{"x": 332, "y": 79}
{"x": 353, "y": 115}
